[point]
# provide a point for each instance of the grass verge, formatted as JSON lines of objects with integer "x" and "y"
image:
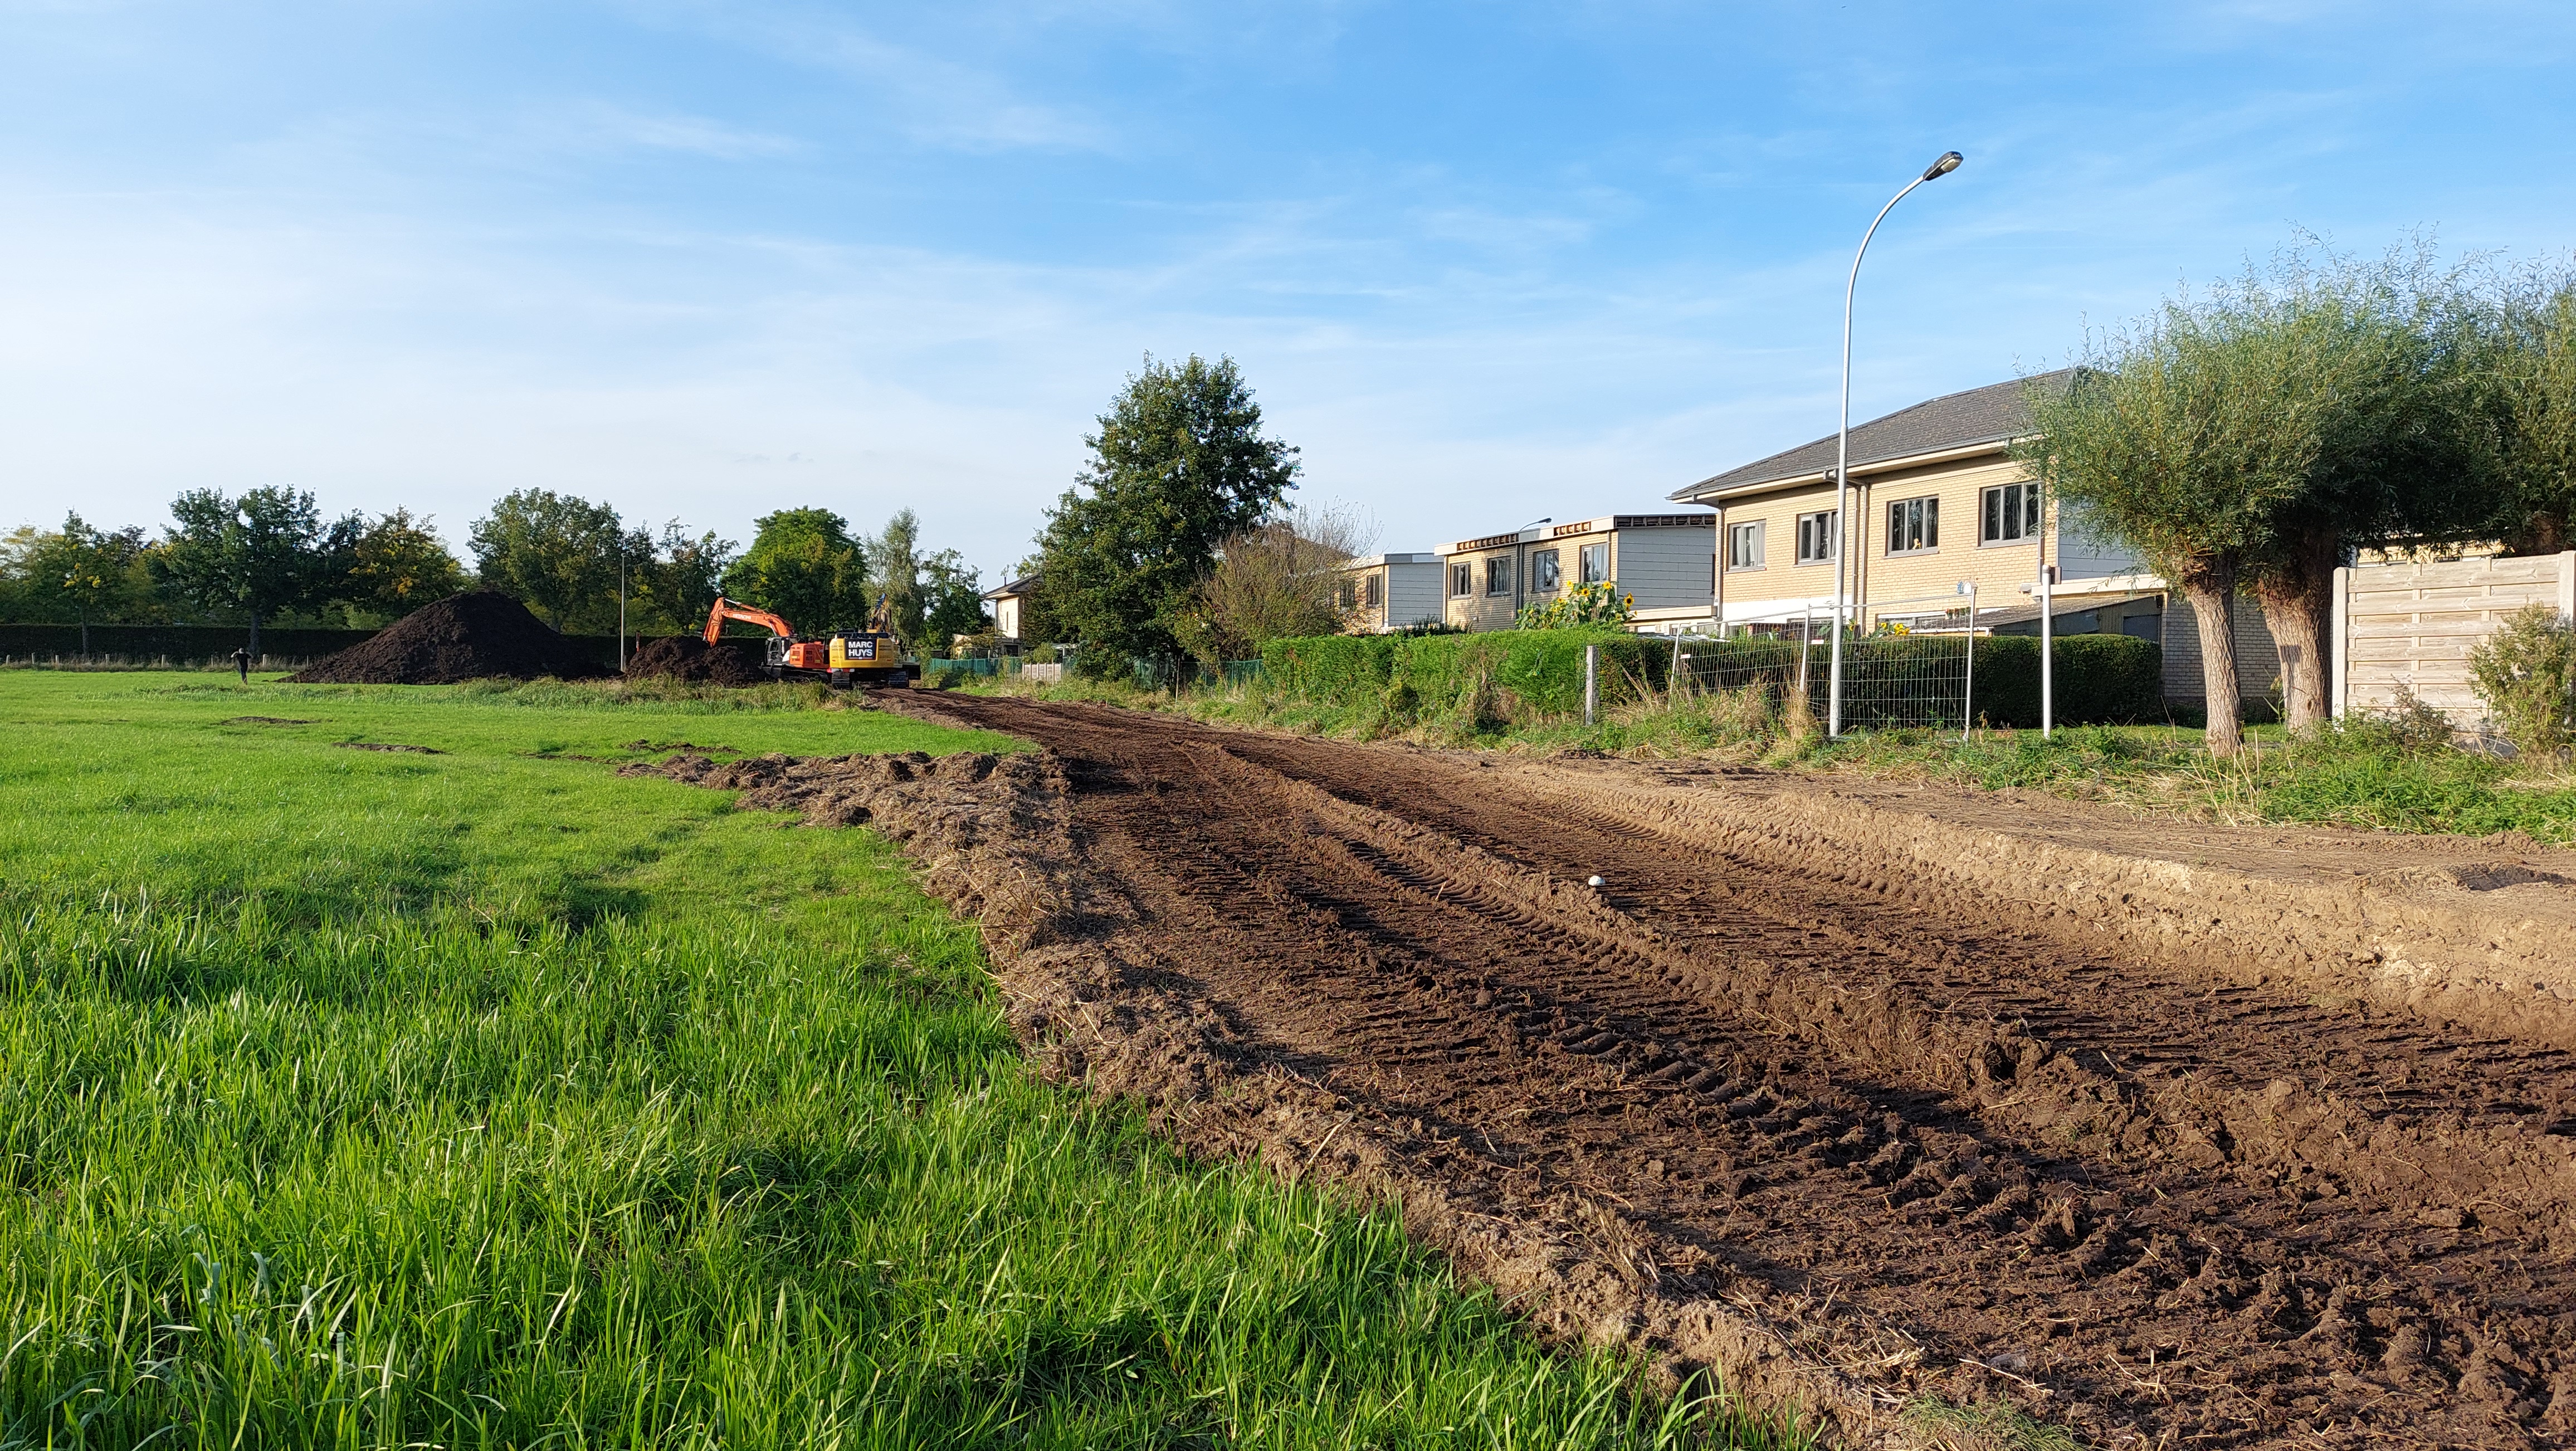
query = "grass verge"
{"x": 470, "y": 1095}
{"x": 2382, "y": 774}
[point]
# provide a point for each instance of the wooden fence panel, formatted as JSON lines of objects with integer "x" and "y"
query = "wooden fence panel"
{"x": 2409, "y": 628}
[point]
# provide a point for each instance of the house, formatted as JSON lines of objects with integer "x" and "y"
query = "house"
{"x": 1938, "y": 500}
{"x": 1007, "y": 602}
{"x": 1383, "y": 592}
{"x": 1663, "y": 560}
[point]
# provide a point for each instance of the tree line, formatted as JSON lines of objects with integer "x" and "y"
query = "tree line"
{"x": 269, "y": 557}
{"x": 2250, "y": 439}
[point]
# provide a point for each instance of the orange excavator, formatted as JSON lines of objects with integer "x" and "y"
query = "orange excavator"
{"x": 872, "y": 656}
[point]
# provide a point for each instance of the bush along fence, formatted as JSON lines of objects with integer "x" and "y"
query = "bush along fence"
{"x": 1904, "y": 680}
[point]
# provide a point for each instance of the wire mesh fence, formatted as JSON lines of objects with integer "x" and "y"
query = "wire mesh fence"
{"x": 1912, "y": 669}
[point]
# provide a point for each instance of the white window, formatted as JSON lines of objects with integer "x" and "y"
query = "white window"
{"x": 1914, "y": 526}
{"x": 2011, "y": 513}
{"x": 1818, "y": 539}
{"x": 1545, "y": 572}
{"x": 1744, "y": 545}
{"x": 1594, "y": 561}
{"x": 1462, "y": 578}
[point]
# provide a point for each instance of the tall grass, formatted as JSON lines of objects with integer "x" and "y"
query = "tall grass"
{"x": 635, "y": 1121}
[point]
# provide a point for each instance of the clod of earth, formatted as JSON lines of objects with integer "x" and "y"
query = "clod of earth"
{"x": 1865, "y": 1137}
{"x": 266, "y": 720}
{"x": 381, "y": 746}
{"x": 472, "y": 636}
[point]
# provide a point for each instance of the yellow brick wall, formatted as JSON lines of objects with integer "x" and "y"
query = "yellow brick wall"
{"x": 2000, "y": 570}
{"x": 1781, "y": 577}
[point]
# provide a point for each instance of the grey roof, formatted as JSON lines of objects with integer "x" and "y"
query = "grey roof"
{"x": 1995, "y": 413}
{"x": 1021, "y": 586}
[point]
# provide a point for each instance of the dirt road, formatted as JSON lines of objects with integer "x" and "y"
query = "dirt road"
{"x": 1968, "y": 1150}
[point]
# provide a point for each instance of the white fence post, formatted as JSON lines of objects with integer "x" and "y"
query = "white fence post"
{"x": 1591, "y": 683}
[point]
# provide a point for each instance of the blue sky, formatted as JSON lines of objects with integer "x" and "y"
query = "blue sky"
{"x": 1483, "y": 262}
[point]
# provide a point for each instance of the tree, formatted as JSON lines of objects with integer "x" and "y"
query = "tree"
{"x": 684, "y": 576}
{"x": 2252, "y": 437}
{"x": 87, "y": 573}
{"x": 2531, "y": 357}
{"x": 1277, "y": 581}
{"x": 894, "y": 562}
{"x": 555, "y": 553}
{"x": 804, "y": 565}
{"x": 2384, "y": 409}
{"x": 1178, "y": 467}
{"x": 260, "y": 555}
{"x": 953, "y": 600}
{"x": 400, "y": 564}
{"x": 2168, "y": 445}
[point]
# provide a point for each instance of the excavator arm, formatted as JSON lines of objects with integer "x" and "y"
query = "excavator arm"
{"x": 726, "y": 609}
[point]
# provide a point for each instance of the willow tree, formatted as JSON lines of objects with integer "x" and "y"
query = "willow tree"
{"x": 2252, "y": 437}
{"x": 2531, "y": 371}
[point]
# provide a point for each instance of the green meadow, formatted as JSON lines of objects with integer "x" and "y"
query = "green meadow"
{"x": 472, "y": 1095}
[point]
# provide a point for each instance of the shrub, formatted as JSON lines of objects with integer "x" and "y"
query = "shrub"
{"x": 2525, "y": 674}
{"x": 2100, "y": 679}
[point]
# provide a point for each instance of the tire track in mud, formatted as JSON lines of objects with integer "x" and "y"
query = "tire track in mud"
{"x": 2107, "y": 1191}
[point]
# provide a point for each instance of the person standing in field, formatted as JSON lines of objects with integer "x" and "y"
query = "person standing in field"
{"x": 241, "y": 662}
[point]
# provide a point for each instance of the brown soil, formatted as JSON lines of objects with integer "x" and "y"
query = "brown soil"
{"x": 469, "y": 636}
{"x": 689, "y": 657}
{"x": 1862, "y": 1097}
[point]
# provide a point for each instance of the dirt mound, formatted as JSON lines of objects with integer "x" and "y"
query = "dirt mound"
{"x": 463, "y": 637}
{"x": 687, "y": 657}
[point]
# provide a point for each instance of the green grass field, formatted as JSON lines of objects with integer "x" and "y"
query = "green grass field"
{"x": 485, "y": 1097}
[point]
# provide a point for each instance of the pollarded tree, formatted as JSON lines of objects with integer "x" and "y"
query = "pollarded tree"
{"x": 2166, "y": 440}
{"x": 258, "y": 556}
{"x": 556, "y": 554}
{"x": 2385, "y": 411}
{"x": 1179, "y": 466}
{"x": 2532, "y": 372}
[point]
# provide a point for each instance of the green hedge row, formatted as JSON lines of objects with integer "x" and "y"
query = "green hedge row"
{"x": 2100, "y": 679}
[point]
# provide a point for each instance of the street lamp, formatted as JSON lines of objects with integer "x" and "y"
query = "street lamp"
{"x": 1947, "y": 163}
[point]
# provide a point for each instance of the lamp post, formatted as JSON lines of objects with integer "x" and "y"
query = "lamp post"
{"x": 1948, "y": 162}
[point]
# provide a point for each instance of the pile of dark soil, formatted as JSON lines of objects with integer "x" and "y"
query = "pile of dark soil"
{"x": 463, "y": 637}
{"x": 687, "y": 657}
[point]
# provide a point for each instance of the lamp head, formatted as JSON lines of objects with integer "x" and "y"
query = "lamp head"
{"x": 1948, "y": 163}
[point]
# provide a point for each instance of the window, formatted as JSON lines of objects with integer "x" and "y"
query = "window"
{"x": 1462, "y": 578}
{"x": 2011, "y": 514}
{"x": 1594, "y": 560}
{"x": 1914, "y": 526}
{"x": 1346, "y": 595}
{"x": 1817, "y": 537}
{"x": 1545, "y": 574}
{"x": 1498, "y": 575}
{"x": 1744, "y": 546}
{"x": 1373, "y": 591}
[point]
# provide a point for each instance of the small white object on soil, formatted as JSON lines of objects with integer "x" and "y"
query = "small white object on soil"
{"x": 1592, "y": 881}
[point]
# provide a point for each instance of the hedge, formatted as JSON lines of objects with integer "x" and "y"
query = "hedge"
{"x": 197, "y": 644}
{"x": 2100, "y": 679}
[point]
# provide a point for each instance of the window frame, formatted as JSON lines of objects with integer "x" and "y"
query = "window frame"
{"x": 1989, "y": 511}
{"x": 1586, "y": 570}
{"x": 1925, "y": 525}
{"x": 1751, "y": 531}
{"x": 1830, "y": 524}
{"x": 1462, "y": 579}
{"x": 1547, "y": 571}
{"x": 1373, "y": 590}
{"x": 1498, "y": 576}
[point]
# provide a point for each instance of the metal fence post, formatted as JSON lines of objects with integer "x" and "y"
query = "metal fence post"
{"x": 1591, "y": 683}
{"x": 1968, "y": 680}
